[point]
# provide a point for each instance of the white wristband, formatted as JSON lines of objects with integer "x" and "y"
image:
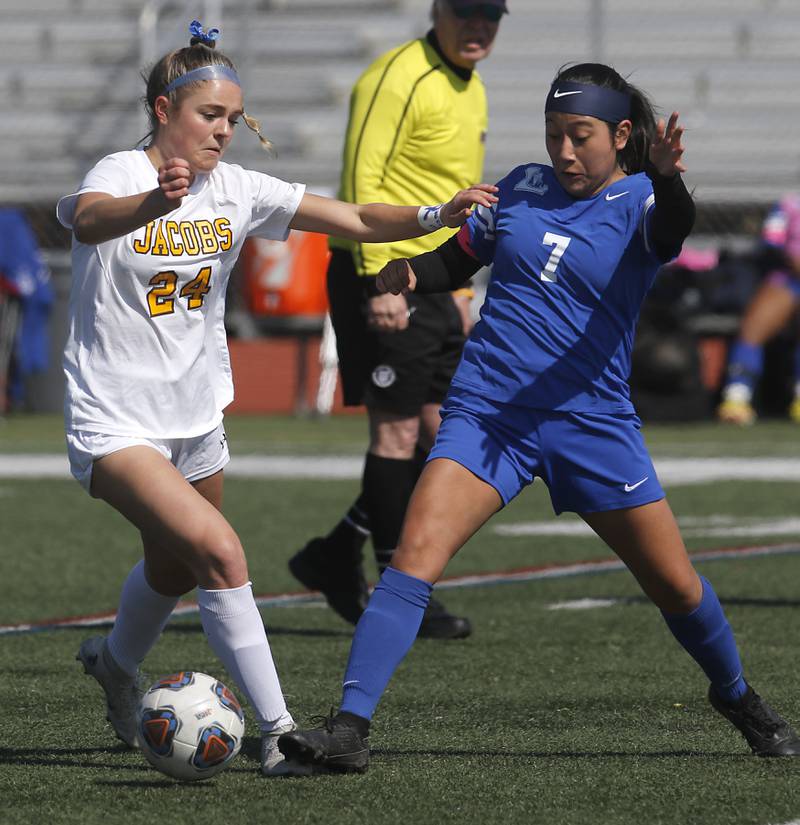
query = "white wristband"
{"x": 430, "y": 217}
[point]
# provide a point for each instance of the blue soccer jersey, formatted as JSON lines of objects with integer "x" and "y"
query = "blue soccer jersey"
{"x": 569, "y": 277}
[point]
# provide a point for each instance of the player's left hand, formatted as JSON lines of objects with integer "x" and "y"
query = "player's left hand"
{"x": 667, "y": 148}
{"x": 456, "y": 211}
{"x": 396, "y": 277}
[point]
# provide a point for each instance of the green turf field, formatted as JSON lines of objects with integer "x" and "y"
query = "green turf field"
{"x": 543, "y": 716}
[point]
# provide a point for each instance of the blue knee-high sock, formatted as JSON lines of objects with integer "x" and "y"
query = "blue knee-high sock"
{"x": 745, "y": 364}
{"x": 384, "y": 634}
{"x": 708, "y": 638}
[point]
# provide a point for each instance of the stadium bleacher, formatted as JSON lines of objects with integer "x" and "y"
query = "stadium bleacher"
{"x": 70, "y": 72}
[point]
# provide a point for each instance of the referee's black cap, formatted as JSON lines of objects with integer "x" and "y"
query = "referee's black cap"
{"x": 460, "y": 4}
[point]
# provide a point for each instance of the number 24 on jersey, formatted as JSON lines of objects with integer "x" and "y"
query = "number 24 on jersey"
{"x": 161, "y": 298}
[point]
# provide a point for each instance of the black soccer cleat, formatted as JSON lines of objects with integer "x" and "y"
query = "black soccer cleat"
{"x": 338, "y": 576}
{"x": 766, "y": 732}
{"x": 335, "y": 746}
{"x": 439, "y": 623}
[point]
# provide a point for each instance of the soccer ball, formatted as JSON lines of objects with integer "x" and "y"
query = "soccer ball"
{"x": 190, "y": 725}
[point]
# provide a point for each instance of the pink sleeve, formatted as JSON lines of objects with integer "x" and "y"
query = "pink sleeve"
{"x": 793, "y": 231}
{"x": 464, "y": 241}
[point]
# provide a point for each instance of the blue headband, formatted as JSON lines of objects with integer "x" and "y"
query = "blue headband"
{"x": 215, "y": 72}
{"x": 585, "y": 99}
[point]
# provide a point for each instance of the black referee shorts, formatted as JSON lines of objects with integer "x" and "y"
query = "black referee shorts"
{"x": 397, "y": 372}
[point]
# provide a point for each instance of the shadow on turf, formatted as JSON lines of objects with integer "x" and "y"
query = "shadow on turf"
{"x": 71, "y": 758}
{"x": 744, "y": 601}
{"x": 166, "y": 782}
{"x": 734, "y": 601}
{"x": 395, "y": 754}
{"x": 65, "y": 757}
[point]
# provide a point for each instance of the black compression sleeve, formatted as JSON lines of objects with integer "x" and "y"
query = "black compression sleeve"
{"x": 443, "y": 269}
{"x": 673, "y": 213}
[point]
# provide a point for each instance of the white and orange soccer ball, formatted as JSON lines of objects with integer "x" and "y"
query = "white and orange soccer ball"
{"x": 190, "y": 725}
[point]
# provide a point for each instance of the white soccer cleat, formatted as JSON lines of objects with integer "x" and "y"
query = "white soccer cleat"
{"x": 122, "y": 692}
{"x": 273, "y": 762}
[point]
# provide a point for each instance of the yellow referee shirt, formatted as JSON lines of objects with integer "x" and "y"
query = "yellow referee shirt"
{"x": 416, "y": 135}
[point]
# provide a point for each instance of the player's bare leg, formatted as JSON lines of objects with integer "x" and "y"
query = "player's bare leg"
{"x": 647, "y": 539}
{"x": 448, "y": 506}
{"x": 767, "y": 314}
{"x": 151, "y": 493}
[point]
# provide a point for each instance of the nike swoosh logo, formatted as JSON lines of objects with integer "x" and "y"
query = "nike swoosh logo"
{"x": 610, "y": 197}
{"x": 558, "y": 93}
{"x": 629, "y": 487}
{"x": 351, "y": 682}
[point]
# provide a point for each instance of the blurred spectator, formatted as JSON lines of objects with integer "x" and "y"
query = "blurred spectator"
{"x": 666, "y": 378}
{"x": 768, "y": 312}
{"x": 26, "y": 298}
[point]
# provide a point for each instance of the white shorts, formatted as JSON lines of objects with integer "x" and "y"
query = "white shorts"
{"x": 195, "y": 458}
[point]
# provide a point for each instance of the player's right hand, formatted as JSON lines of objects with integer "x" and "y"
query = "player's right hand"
{"x": 396, "y": 277}
{"x": 174, "y": 179}
{"x": 456, "y": 211}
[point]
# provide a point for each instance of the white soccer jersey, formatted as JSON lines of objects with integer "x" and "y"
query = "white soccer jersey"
{"x": 146, "y": 352}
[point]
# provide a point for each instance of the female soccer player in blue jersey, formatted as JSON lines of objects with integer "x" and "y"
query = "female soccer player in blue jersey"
{"x": 542, "y": 390}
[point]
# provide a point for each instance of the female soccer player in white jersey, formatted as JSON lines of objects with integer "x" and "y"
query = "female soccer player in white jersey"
{"x": 156, "y": 233}
{"x": 542, "y": 391}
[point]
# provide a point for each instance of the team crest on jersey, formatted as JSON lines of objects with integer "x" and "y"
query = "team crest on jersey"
{"x": 533, "y": 182}
{"x": 383, "y": 376}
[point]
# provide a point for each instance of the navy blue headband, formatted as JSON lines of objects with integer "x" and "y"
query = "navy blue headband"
{"x": 585, "y": 99}
{"x": 215, "y": 72}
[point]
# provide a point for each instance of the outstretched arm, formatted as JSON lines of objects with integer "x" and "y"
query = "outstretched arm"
{"x": 674, "y": 211}
{"x": 99, "y": 217}
{"x": 381, "y": 222}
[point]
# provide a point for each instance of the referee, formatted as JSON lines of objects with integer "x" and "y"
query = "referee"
{"x": 416, "y": 133}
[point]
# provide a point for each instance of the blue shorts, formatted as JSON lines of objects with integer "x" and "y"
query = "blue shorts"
{"x": 590, "y": 462}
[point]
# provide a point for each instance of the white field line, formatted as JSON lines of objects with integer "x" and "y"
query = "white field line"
{"x": 555, "y": 571}
{"x": 583, "y": 604}
{"x": 31, "y": 465}
{"x": 691, "y": 526}
{"x": 671, "y": 471}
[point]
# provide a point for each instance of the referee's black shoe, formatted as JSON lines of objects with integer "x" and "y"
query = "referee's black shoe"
{"x": 340, "y": 744}
{"x": 765, "y": 731}
{"x": 339, "y": 577}
{"x": 439, "y": 623}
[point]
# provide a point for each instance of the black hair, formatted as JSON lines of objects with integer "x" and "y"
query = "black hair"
{"x": 633, "y": 157}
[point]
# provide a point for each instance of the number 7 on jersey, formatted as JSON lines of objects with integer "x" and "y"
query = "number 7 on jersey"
{"x": 560, "y": 242}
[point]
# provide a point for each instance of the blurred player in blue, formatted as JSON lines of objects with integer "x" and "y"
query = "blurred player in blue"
{"x": 542, "y": 390}
{"x": 770, "y": 310}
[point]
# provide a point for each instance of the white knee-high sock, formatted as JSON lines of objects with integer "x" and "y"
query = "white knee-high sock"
{"x": 141, "y": 617}
{"x": 236, "y": 634}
